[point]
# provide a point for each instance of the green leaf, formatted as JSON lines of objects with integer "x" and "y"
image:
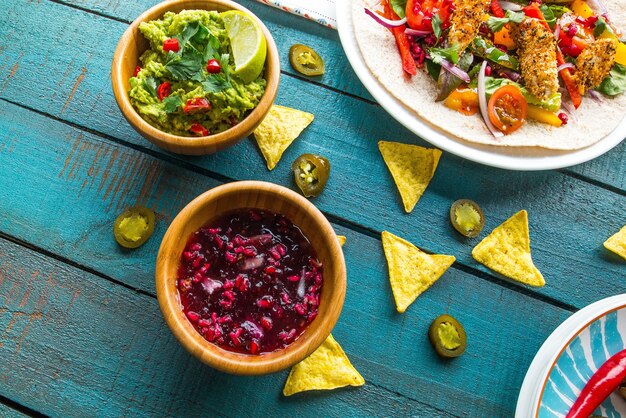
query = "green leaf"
{"x": 557, "y": 10}
{"x": 436, "y": 24}
{"x": 433, "y": 69}
{"x": 399, "y": 6}
{"x": 172, "y": 103}
{"x": 615, "y": 83}
{"x": 188, "y": 32}
{"x": 200, "y": 36}
{"x": 437, "y": 55}
{"x": 187, "y": 66}
{"x": 497, "y": 23}
{"x": 601, "y": 27}
{"x": 211, "y": 50}
{"x": 215, "y": 83}
{"x": 224, "y": 61}
{"x": 548, "y": 14}
{"x": 151, "y": 85}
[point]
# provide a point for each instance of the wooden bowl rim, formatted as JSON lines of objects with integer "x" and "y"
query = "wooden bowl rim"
{"x": 219, "y": 140}
{"x": 227, "y": 361}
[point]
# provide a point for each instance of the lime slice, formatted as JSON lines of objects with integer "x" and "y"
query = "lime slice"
{"x": 247, "y": 42}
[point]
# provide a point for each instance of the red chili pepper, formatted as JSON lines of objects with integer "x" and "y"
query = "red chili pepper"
{"x": 408, "y": 63}
{"x": 137, "y": 69}
{"x": 197, "y": 105}
{"x": 164, "y": 90}
{"x": 171, "y": 44}
{"x": 199, "y": 130}
{"x": 213, "y": 66}
{"x": 604, "y": 381}
{"x": 533, "y": 10}
{"x": 496, "y": 9}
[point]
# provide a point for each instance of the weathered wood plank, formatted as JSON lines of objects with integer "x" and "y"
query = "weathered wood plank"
{"x": 340, "y": 75}
{"x": 7, "y": 412}
{"x": 555, "y": 202}
{"x": 75, "y": 343}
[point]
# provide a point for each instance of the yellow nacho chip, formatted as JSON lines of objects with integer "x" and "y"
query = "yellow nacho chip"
{"x": 411, "y": 271}
{"x": 279, "y": 129}
{"x": 617, "y": 243}
{"x": 327, "y": 368}
{"x": 507, "y": 251}
{"x": 342, "y": 239}
{"x": 411, "y": 167}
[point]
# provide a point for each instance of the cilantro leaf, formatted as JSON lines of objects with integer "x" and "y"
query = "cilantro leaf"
{"x": 548, "y": 14}
{"x": 151, "y": 85}
{"x": 215, "y": 83}
{"x": 436, "y": 23}
{"x": 172, "y": 103}
{"x": 224, "y": 61}
{"x": 188, "y": 32}
{"x": 200, "y": 37}
{"x": 211, "y": 50}
{"x": 437, "y": 55}
{"x": 615, "y": 83}
{"x": 185, "y": 66}
{"x": 433, "y": 69}
{"x": 601, "y": 27}
{"x": 399, "y": 6}
{"x": 497, "y": 23}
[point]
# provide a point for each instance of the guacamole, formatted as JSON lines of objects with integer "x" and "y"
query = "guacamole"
{"x": 185, "y": 84}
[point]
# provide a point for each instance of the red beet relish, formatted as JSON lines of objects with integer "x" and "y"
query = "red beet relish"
{"x": 250, "y": 282}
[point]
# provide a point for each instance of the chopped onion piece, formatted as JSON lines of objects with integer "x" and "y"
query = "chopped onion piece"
{"x": 301, "y": 283}
{"x": 570, "y": 110}
{"x": 509, "y": 5}
{"x": 557, "y": 30}
{"x": 564, "y": 66}
{"x": 482, "y": 101}
{"x": 455, "y": 71}
{"x": 595, "y": 96}
{"x": 384, "y": 21}
{"x": 418, "y": 33}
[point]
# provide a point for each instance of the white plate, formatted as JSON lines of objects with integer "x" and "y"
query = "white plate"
{"x": 565, "y": 383}
{"x": 512, "y": 158}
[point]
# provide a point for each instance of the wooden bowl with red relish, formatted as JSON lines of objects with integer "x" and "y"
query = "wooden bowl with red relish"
{"x": 270, "y": 263}
{"x": 132, "y": 45}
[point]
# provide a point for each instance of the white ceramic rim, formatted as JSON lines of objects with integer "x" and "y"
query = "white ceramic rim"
{"x": 511, "y": 158}
{"x": 539, "y": 370}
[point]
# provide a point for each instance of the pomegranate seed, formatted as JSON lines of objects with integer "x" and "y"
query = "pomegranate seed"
{"x": 312, "y": 289}
{"x": 265, "y": 302}
{"x": 219, "y": 241}
{"x": 214, "y": 317}
{"x": 223, "y": 319}
{"x": 244, "y": 285}
{"x": 311, "y": 316}
{"x": 318, "y": 279}
{"x": 253, "y": 347}
{"x": 249, "y": 251}
{"x": 196, "y": 263}
{"x": 226, "y": 304}
{"x": 299, "y": 309}
{"x": 235, "y": 339}
{"x": 196, "y": 246}
{"x": 238, "y": 280}
{"x": 215, "y": 231}
{"x": 229, "y": 284}
{"x": 188, "y": 255}
{"x": 564, "y": 118}
{"x": 205, "y": 267}
{"x": 204, "y": 323}
{"x": 193, "y": 317}
{"x": 278, "y": 311}
{"x": 238, "y": 250}
{"x": 197, "y": 277}
{"x": 230, "y": 245}
{"x": 274, "y": 253}
{"x": 285, "y": 297}
{"x": 572, "y": 30}
{"x": 210, "y": 335}
{"x": 293, "y": 278}
{"x": 229, "y": 295}
{"x": 270, "y": 269}
{"x": 266, "y": 323}
{"x": 488, "y": 70}
{"x": 230, "y": 257}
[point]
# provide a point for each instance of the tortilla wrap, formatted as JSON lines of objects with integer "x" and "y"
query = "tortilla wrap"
{"x": 380, "y": 53}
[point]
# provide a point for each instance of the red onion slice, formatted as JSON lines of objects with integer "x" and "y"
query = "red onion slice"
{"x": 564, "y": 66}
{"x": 595, "y": 96}
{"x": 418, "y": 33}
{"x": 455, "y": 71}
{"x": 384, "y": 21}
{"x": 570, "y": 110}
{"x": 598, "y": 7}
{"x": 508, "y": 5}
{"x": 482, "y": 101}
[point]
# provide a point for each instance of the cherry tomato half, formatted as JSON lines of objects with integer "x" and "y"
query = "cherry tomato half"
{"x": 164, "y": 90}
{"x": 507, "y": 108}
{"x": 419, "y": 13}
{"x": 197, "y": 105}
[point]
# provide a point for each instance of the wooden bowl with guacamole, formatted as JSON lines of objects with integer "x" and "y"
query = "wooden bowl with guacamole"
{"x": 194, "y": 77}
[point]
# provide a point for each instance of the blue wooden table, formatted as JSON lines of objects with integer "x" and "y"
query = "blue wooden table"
{"x": 81, "y": 333}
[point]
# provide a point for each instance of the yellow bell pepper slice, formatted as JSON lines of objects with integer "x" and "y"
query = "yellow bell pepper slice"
{"x": 580, "y": 8}
{"x": 542, "y": 115}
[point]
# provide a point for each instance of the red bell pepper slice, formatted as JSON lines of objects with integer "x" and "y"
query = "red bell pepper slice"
{"x": 171, "y": 44}
{"x": 164, "y": 90}
{"x": 197, "y": 105}
{"x": 408, "y": 63}
{"x": 199, "y": 130}
{"x": 534, "y": 11}
{"x": 496, "y": 9}
{"x": 604, "y": 381}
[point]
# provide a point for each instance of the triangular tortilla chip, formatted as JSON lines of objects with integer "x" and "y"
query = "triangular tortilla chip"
{"x": 617, "y": 243}
{"x": 342, "y": 239}
{"x": 411, "y": 271}
{"x": 412, "y": 167}
{"x": 279, "y": 129}
{"x": 327, "y": 368}
{"x": 507, "y": 251}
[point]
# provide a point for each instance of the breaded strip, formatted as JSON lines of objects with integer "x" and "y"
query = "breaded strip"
{"x": 595, "y": 63}
{"x": 537, "y": 58}
{"x": 465, "y": 22}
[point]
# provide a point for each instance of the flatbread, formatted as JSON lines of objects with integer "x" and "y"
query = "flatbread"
{"x": 378, "y": 48}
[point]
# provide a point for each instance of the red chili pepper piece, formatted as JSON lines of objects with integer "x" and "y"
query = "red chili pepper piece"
{"x": 199, "y": 130}
{"x": 408, "y": 63}
{"x": 496, "y": 9}
{"x": 533, "y": 10}
{"x": 604, "y": 381}
{"x": 137, "y": 69}
{"x": 197, "y": 105}
{"x": 213, "y": 66}
{"x": 171, "y": 44}
{"x": 164, "y": 90}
